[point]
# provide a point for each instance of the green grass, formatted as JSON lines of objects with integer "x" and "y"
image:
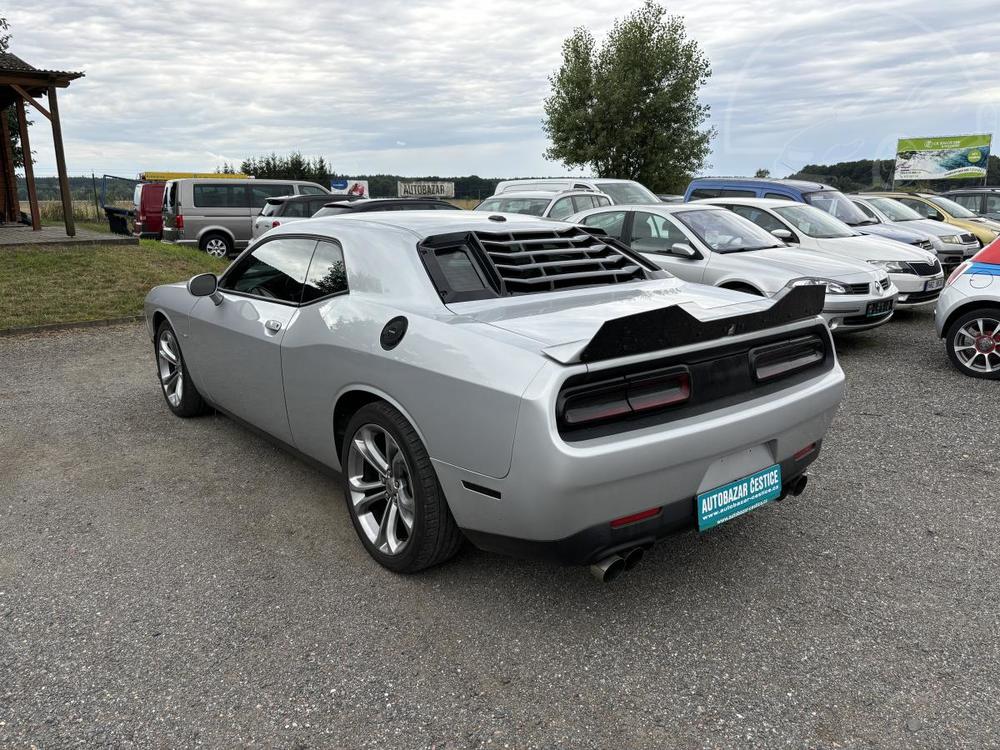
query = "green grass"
{"x": 68, "y": 284}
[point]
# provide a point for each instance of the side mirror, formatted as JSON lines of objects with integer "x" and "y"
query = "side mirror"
{"x": 683, "y": 249}
{"x": 205, "y": 285}
{"x": 936, "y": 216}
{"x": 783, "y": 234}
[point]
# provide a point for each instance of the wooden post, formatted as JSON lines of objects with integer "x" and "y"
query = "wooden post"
{"x": 12, "y": 207}
{"x": 67, "y": 199}
{"x": 29, "y": 169}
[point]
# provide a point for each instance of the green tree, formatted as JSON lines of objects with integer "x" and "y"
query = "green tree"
{"x": 295, "y": 166}
{"x": 10, "y": 113}
{"x": 629, "y": 108}
{"x": 762, "y": 173}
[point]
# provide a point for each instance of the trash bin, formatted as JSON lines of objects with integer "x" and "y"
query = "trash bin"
{"x": 119, "y": 219}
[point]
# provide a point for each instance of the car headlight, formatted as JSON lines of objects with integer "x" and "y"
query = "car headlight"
{"x": 891, "y": 266}
{"x": 832, "y": 287}
{"x": 951, "y": 239}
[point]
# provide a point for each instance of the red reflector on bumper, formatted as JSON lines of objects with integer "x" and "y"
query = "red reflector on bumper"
{"x": 641, "y": 516}
{"x": 804, "y": 452}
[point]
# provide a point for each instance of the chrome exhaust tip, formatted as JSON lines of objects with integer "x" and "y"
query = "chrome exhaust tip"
{"x": 633, "y": 557}
{"x": 608, "y": 569}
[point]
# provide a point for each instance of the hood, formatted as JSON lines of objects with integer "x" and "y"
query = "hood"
{"x": 988, "y": 223}
{"x": 931, "y": 227}
{"x": 891, "y": 231}
{"x": 562, "y": 323}
{"x": 796, "y": 263}
{"x": 869, "y": 247}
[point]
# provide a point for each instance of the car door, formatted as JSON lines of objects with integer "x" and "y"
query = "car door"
{"x": 236, "y": 345}
{"x": 612, "y": 222}
{"x": 654, "y": 235}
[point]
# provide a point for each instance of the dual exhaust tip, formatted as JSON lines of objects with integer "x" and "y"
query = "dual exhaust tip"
{"x": 611, "y": 567}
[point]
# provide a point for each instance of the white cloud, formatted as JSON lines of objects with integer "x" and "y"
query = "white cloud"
{"x": 456, "y": 87}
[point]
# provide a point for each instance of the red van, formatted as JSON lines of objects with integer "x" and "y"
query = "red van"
{"x": 148, "y": 200}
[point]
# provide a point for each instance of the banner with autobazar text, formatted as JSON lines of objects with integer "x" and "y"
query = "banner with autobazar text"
{"x": 947, "y": 158}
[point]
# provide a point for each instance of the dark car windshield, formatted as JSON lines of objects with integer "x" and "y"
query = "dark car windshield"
{"x": 839, "y": 206}
{"x": 895, "y": 210}
{"x": 626, "y": 193}
{"x": 726, "y": 232}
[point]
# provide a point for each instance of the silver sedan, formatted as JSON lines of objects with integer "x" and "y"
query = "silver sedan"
{"x": 526, "y": 384}
{"x": 712, "y": 245}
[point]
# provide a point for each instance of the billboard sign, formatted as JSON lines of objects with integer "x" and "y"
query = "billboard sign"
{"x": 358, "y": 188}
{"x": 951, "y": 158}
{"x": 425, "y": 189}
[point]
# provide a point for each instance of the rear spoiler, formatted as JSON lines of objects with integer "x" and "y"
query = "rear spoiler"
{"x": 673, "y": 326}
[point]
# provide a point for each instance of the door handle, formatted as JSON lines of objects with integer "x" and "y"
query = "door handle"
{"x": 273, "y": 325}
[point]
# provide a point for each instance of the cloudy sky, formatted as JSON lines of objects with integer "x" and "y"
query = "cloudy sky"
{"x": 456, "y": 87}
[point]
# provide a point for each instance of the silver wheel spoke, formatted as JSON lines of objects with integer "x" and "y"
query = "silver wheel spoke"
{"x": 170, "y": 379}
{"x": 365, "y": 445}
{"x": 364, "y": 503}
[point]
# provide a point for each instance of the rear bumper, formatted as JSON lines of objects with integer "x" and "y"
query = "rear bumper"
{"x": 602, "y": 540}
{"x": 562, "y": 496}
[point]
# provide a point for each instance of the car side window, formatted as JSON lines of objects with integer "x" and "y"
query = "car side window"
{"x": 562, "y": 208}
{"x": 582, "y": 202}
{"x": 311, "y": 190}
{"x": 970, "y": 202}
{"x": 275, "y": 270}
{"x": 652, "y": 233}
{"x": 612, "y": 222}
{"x": 865, "y": 210}
{"x": 327, "y": 274}
{"x": 704, "y": 193}
{"x": 761, "y": 218}
{"x": 220, "y": 196}
{"x": 778, "y": 196}
{"x": 992, "y": 204}
{"x": 736, "y": 193}
{"x": 296, "y": 209}
{"x": 919, "y": 206}
{"x": 260, "y": 193}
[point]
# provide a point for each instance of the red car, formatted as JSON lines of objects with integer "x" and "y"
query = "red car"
{"x": 148, "y": 200}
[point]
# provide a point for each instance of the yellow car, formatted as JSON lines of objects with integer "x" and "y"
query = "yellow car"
{"x": 939, "y": 208}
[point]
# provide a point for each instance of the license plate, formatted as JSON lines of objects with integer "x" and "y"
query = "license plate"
{"x": 933, "y": 284}
{"x": 736, "y": 498}
{"x": 878, "y": 308}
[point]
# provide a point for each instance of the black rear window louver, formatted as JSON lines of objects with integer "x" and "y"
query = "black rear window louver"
{"x": 545, "y": 261}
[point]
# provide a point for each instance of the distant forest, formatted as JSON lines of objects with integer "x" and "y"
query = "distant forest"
{"x": 866, "y": 174}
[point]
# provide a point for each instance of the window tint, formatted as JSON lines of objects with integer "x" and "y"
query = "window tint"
{"x": 970, "y": 202}
{"x": 259, "y": 193}
{"x": 274, "y": 270}
{"x": 652, "y": 233}
{"x": 562, "y": 208}
{"x": 778, "y": 196}
{"x": 221, "y": 196}
{"x": 297, "y": 210}
{"x": 531, "y": 206}
{"x": 459, "y": 270}
{"x": 992, "y": 204}
{"x": 327, "y": 274}
{"x": 611, "y": 222}
{"x": 761, "y": 218}
{"x": 583, "y": 202}
{"x": 866, "y": 211}
{"x": 919, "y": 206}
{"x": 270, "y": 209}
{"x": 311, "y": 190}
{"x": 734, "y": 193}
{"x": 704, "y": 193}
{"x": 316, "y": 205}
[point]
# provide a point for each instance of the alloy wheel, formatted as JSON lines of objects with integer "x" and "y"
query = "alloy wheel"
{"x": 381, "y": 489}
{"x": 977, "y": 345}
{"x": 168, "y": 361}
{"x": 216, "y": 247}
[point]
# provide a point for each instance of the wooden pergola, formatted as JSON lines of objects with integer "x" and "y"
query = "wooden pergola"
{"x": 22, "y": 83}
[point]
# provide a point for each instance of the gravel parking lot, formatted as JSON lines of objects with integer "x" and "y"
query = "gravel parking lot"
{"x": 171, "y": 583}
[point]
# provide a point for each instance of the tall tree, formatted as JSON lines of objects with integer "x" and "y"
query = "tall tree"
{"x": 629, "y": 107}
{"x": 10, "y": 113}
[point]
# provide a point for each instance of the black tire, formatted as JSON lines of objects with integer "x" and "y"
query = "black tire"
{"x": 190, "y": 403}
{"x": 954, "y": 337}
{"x": 434, "y": 537}
{"x": 217, "y": 244}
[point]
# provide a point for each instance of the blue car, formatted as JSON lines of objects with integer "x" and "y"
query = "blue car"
{"x": 816, "y": 194}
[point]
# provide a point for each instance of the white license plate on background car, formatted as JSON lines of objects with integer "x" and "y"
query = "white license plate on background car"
{"x": 933, "y": 284}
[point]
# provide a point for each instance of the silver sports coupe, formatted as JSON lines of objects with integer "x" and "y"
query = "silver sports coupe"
{"x": 533, "y": 386}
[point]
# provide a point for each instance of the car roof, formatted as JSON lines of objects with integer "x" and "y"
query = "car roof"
{"x": 757, "y": 202}
{"x": 973, "y": 190}
{"x": 546, "y": 194}
{"x": 429, "y": 223}
{"x": 342, "y": 200}
{"x": 297, "y": 197}
{"x": 805, "y": 185}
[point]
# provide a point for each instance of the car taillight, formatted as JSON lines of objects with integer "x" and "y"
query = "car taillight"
{"x": 179, "y": 221}
{"x": 962, "y": 268}
{"x": 636, "y": 517}
{"x": 788, "y": 357}
{"x": 275, "y": 223}
{"x": 638, "y": 394}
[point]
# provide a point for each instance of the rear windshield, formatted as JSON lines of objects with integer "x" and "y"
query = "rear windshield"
{"x": 624, "y": 193}
{"x": 331, "y": 211}
{"x": 530, "y": 206}
{"x": 959, "y": 212}
{"x": 270, "y": 209}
